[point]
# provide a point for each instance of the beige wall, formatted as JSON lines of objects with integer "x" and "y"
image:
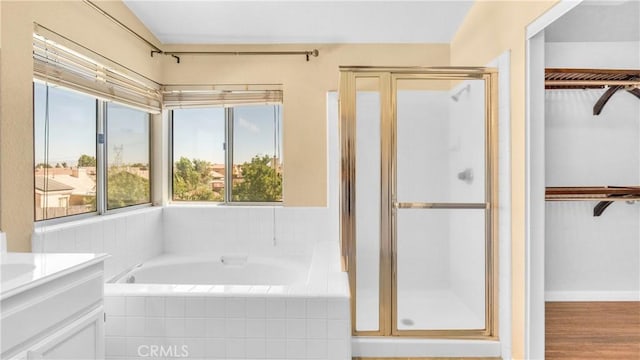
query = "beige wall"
{"x": 305, "y": 88}
{"x": 490, "y": 28}
{"x": 0, "y": 114}
{"x": 84, "y": 25}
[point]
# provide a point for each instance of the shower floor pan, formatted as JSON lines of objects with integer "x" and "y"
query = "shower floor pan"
{"x": 422, "y": 310}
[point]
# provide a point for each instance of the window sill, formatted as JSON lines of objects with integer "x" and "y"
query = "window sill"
{"x": 196, "y": 204}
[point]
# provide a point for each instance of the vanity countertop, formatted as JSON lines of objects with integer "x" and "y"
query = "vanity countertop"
{"x": 23, "y": 271}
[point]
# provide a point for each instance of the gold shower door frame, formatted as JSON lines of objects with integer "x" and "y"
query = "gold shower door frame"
{"x": 387, "y": 78}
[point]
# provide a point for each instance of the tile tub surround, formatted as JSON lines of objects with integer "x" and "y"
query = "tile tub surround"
{"x": 130, "y": 238}
{"x": 265, "y": 230}
{"x": 133, "y": 237}
{"x": 229, "y": 326}
{"x": 310, "y": 321}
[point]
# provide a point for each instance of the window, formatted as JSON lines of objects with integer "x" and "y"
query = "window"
{"x": 256, "y": 154}
{"x": 91, "y": 130}
{"x": 230, "y": 154}
{"x": 65, "y": 152}
{"x": 127, "y": 157}
{"x": 198, "y": 153}
{"x": 69, "y": 164}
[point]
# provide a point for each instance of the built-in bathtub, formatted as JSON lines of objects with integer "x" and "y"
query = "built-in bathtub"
{"x": 233, "y": 269}
{"x": 230, "y": 306}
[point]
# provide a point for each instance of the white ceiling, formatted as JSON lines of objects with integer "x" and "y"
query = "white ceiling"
{"x": 613, "y": 20}
{"x": 268, "y": 22}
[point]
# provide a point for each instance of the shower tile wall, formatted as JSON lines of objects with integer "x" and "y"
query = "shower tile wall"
{"x": 441, "y": 262}
{"x": 423, "y": 166}
{"x": 467, "y": 243}
{"x": 592, "y": 258}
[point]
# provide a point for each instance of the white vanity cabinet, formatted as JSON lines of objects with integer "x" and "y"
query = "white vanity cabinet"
{"x": 82, "y": 339}
{"x": 57, "y": 316}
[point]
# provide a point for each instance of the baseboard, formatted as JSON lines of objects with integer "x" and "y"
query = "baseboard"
{"x": 413, "y": 348}
{"x": 592, "y": 296}
{"x": 427, "y": 358}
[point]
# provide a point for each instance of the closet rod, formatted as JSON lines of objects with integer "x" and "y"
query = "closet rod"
{"x": 592, "y": 82}
{"x": 591, "y": 198}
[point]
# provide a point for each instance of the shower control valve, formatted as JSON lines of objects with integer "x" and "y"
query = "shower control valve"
{"x": 466, "y": 175}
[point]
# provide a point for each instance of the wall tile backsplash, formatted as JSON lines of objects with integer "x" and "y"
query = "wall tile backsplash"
{"x": 130, "y": 237}
{"x": 136, "y": 236}
{"x": 255, "y": 229}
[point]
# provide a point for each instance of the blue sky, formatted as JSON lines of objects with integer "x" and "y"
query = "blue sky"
{"x": 199, "y": 133}
{"x": 72, "y": 119}
{"x": 129, "y": 129}
{"x": 72, "y": 129}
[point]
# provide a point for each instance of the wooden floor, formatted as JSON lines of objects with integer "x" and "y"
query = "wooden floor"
{"x": 593, "y": 330}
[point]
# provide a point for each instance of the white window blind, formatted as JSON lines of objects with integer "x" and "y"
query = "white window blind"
{"x": 181, "y": 97}
{"x": 57, "y": 64}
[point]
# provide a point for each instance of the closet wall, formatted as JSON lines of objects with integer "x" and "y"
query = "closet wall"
{"x": 592, "y": 258}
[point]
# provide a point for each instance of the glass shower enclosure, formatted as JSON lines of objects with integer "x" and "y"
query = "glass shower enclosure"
{"x": 419, "y": 200}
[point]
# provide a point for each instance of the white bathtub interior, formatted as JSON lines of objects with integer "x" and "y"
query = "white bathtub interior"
{"x": 233, "y": 269}
{"x": 137, "y": 236}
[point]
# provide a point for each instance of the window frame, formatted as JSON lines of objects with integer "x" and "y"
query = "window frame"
{"x": 101, "y": 142}
{"x": 228, "y": 163}
{"x": 105, "y": 159}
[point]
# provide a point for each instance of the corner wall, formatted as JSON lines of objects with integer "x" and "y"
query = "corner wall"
{"x": 82, "y": 24}
{"x": 490, "y": 28}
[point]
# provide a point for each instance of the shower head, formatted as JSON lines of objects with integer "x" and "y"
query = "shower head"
{"x": 457, "y": 95}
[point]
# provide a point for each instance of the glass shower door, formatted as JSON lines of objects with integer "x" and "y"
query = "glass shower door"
{"x": 440, "y": 222}
{"x": 368, "y": 126}
{"x": 363, "y": 211}
{"x": 418, "y": 220}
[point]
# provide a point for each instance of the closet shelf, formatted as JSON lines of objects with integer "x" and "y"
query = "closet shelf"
{"x": 606, "y": 195}
{"x": 612, "y": 79}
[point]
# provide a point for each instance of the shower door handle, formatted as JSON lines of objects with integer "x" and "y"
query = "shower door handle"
{"x": 425, "y": 205}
